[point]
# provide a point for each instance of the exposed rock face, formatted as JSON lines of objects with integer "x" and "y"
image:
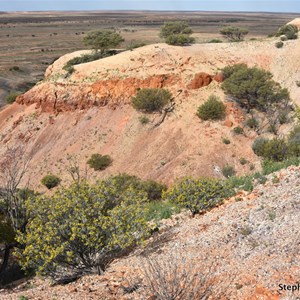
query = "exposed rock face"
{"x": 59, "y": 97}
{"x": 200, "y": 80}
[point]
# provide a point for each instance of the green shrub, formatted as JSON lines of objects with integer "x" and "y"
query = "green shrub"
{"x": 244, "y": 183}
{"x": 144, "y": 120}
{"x": 215, "y": 41}
{"x": 279, "y": 44}
{"x": 50, "y": 181}
{"x": 177, "y": 33}
{"x": 226, "y": 141}
{"x": 233, "y": 33}
{"x": 99, "y": 162}
{"x": 152, "y": 188}
{"x": 12, "y": 96}
{"x": 84, "y": 59}
{"x": 198, "y": 195}
{"x": 238, "y": 130}
{"x": 294, "y": 141}
{"x": 159, "y": 210}
{"x": 81, "y": 229}
{"x": 258, "y": 146}
{"x": 289, "y": 30}
{"x": 228, "y": 171}
{"x": 252, "y": 123}
{"x": 243, "y": 161}
{"x": 151, "y": 99}
{"x": 276, "y": 150}
{"x": 179, "y": 39}
{"x": 269, "y": 166}
{"x": 212, "y": 109}
{"x": 103, "y": 39}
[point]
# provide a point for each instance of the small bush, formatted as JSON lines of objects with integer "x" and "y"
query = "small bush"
{"x": 12, "y": 96}
{"x": 252, "y": 123}
{"x": 215, "y": 41}
{"x": 298, "y": 83}
{"x": 244, "y": 183}
{"x": 238, "y": 130}
{"x": 279, "y": 44}
{"x": 228, "y": 171}
{"x": 276, "y": 150}
{"x": 259, "y": 145}
{"x": 152, "y": 188}
{"x": 226, "y": 141}
{"x": 289, "y": 30}
{"x": 151, "y": 99}
{"x": 212, "y": 109}
{"x": 99, "y": 162}
{"x": 144, "y": 120}
{"x": 198, "y": 195}
{"x": 50, "y": 181}
{"x": 179, "y": 39}
{"x": 243, "y": 161}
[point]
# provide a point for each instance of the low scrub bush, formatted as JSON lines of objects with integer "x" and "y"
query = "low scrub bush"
{"x": 81, "y": 229}
{"x": 179, "y": 39}
{"x": 152, "y": 188}
{"x": 228, "y": 171}
{"x": 289, "y": 30}
{"x": 215, "y": 41}
{"x": 99, "y": 162}
{"x": 276, "y": 149}
{"x": 212, "y": 109}
{"x": 252, "y": 123}
{"x": 238, "y": 130}
{"x": 279, "y": 44}
{"x": 269, "y": 166}
{"x": 86, "y": 58}
{"x": 50, "y": 181}
{"x": 198, "y": 195}
{"x": 151, "y": 99}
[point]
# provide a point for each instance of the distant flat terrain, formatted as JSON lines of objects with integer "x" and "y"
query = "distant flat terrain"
{"x": 30, "y": 41}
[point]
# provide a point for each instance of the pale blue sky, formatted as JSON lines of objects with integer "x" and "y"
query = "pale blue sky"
{"x": 210, "y": 5}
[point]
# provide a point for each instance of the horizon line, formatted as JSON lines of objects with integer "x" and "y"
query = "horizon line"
{"x": 144, "y": 10}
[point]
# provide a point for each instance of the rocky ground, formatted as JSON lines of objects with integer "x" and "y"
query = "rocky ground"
{"x": 241, "y": 250}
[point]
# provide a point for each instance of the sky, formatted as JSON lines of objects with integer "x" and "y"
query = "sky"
{"x": 176, "y": 5}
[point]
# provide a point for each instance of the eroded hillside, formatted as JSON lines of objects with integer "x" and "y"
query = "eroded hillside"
{"x": 89, "y": 111}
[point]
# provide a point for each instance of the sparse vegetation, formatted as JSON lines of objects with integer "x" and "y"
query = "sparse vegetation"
{"x": 50, "y": 181}
{"x": 99, "y": 162}
{"x": 238, "y": 130}
{"x": 215, "y": 41}
{"x": 103, "y": 40}
{"x": 12, "y": 96}
{"x": 151, "y": 99}
{"x": 177, "y": 33}
{"x": 228, "y": 171}
{"x": 243, "y": 161}
{"x": 144, "y": 120}
{"x": 226, "y": 141}
{"x": 279, "y": 44}
{"x": 212, "y": 109}
{"x": 198, "y": 195}
{"x": 233, "y": 33}
{"x": 289, "y": 30}
{"x": 254, "y": 90}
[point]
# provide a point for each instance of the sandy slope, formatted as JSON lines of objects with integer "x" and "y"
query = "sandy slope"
{"x": 90, "y": 111}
